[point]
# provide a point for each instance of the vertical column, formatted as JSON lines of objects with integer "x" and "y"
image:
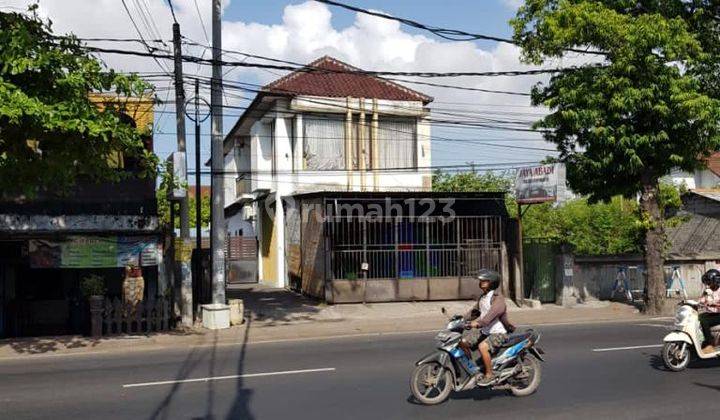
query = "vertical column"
{"x": 375, "y": 163}
{"x": 280, "y": 268}
{"x": 361, "y": 144}
{"x": 348, "y": 145}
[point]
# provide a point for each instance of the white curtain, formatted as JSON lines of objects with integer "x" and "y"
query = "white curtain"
{"x": 324, "y": 142}
{"x": 397, "y": 143}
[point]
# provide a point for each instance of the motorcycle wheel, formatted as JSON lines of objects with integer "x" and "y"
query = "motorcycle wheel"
{"x": 429, "y": 385}
{"x": 522, "y": 387}
{"x": 672, "y": 356}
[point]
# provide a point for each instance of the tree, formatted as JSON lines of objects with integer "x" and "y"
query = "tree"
{"x": 164, "y": 205}
{"x": 51, "y": 134}
{"x": 476, "y": 182}
{"x": 623, "y": 124}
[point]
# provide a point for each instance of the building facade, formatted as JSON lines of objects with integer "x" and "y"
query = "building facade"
{"x": 327, "y": 127}
{"x": 50, "y": 243}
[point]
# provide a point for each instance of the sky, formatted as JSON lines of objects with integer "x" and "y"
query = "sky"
{"x": 305, "y": 30}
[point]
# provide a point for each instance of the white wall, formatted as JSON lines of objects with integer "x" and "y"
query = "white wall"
{"x": 270, "y": 137}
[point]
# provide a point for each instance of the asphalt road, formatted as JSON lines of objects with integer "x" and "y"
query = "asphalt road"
{"x": 356, "y": 378}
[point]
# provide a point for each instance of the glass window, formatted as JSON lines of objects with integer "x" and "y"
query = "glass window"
{"x": 324, "y": 142}
{"x": 397, "y": 143}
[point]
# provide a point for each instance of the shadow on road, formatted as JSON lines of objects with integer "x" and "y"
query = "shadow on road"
{"x": 241, "y": 405}
{"x": 715, "y": 387}
{"x": 476, "y": 394}
{"x": 191, "y": 361}
{"x": 50, "y": 344}
{"x": 275, "y": 306}
{"x": 656, "y": 363}
{"x": 39, "y": 345}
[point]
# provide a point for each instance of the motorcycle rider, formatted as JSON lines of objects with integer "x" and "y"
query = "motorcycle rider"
{"x": 711, "y": 302}
{"x": 489, "y": 324}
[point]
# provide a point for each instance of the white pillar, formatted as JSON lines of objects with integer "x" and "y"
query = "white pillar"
{"x": 280, "y": 229}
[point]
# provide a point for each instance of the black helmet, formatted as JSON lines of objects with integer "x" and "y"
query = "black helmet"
{"x": 711, "y": 277}
{"x": 493, "y": 277}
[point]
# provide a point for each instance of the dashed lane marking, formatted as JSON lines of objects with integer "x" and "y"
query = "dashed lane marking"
{"x": 221, "y": 378}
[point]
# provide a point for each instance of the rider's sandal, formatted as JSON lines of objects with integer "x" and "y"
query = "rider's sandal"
{"x": 486, "y": 381}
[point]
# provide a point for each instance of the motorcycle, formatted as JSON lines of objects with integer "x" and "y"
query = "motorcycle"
{"x": 687, "y": 337}
{"x": 515, "y": 363}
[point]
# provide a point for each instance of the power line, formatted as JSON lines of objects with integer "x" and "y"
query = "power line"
{"x": 504, "y": 92}
{"x": 142, "y": 39}
{"x": 312, "y": 69}
{"x": 172, "y": 11}
{"x": 202, "y": 23}
{"x": 449, "y": 34}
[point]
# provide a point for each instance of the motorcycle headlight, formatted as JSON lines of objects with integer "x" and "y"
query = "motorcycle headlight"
{"x": 682, "y": 315}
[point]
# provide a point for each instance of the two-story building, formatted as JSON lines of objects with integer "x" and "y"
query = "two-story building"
{"x": 333, "y": 185}
{"x": 327, "y": 127}
{"x": 49, "y": 243}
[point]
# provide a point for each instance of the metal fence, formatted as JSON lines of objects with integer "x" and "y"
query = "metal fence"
{"x": 410, "y": 247}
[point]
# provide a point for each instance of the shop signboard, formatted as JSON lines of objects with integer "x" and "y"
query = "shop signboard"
{"x": 540, "y": 184}
{"x": 94, "y": 252}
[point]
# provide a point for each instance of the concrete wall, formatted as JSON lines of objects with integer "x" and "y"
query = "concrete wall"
{"x": 395, "y": 290}
{"x": 580, "y": 280}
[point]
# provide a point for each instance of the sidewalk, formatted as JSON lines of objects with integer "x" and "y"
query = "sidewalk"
{"x": 280, "y": 315}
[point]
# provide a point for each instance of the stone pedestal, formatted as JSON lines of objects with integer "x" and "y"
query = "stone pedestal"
{"x": 237, "y": 310}
{"x": 216, "y": 316}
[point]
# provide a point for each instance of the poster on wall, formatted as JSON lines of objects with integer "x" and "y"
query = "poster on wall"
{"x": 94, "y": 252}
{"x": 540, "y": 184}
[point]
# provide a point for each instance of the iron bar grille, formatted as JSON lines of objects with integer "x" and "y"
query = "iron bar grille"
{"x": 409, "y": 247}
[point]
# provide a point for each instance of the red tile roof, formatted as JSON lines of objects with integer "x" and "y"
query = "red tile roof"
{"x": 338, "y": 81}
{"x": 204, "y": 190}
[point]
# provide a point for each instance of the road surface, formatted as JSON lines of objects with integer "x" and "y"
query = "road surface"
{"x": 604, "y": 370}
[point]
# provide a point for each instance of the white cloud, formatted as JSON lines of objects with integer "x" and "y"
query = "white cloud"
{"x": 306, "y": 33}
{"x": 513, "y": 4}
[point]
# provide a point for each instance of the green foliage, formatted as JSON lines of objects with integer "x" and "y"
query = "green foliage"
{"x": 92, "y": 285}
{"x": 477, "y": 182}
{"x": 44, "y": 85}
{"x": 608, "y": 228}
{"x": 471, "y": 181}
{"x": 591, "y": 229}
{"x": 629, "y": 121}
{"x": 164, "y": 205}
{"x": 669, "y": 196}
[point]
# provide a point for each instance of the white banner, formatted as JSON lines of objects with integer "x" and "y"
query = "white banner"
{"x": 539, "y": 184}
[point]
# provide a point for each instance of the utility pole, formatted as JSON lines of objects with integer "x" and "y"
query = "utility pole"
{"x": 217, "y": 226}
{"x": 198, "y": 190}
{"x": 184, "y": 269}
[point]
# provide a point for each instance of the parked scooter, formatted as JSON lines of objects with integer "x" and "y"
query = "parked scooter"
{"x": 449, "y": 369}
{"x": 687, "y": 337}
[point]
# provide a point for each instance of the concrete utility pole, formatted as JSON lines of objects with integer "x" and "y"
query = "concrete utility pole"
{"x": 198, "y": 189}
{"x": 185, "y": 272}
{"x": 217, "y": 227}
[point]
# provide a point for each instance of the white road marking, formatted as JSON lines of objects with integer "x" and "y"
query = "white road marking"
{"x": 665, "y": 326}
{"x": 649, "y": 346}
{"x": 220, "y": 378}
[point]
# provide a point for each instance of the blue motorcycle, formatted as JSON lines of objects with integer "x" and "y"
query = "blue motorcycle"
{"x": 516, "y": 366}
